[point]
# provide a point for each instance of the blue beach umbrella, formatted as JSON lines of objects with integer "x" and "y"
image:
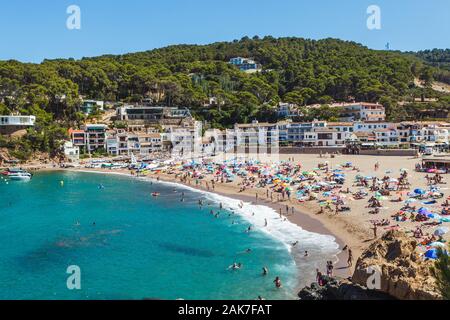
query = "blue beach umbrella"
{"x": 432, "y": 254}
{"x": 440, "y": 231}
{"x": 419, "y": 191}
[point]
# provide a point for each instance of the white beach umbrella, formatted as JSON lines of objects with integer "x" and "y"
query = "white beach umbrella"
{"x": 440, "y": 231}
{"x": 437, "y": 244}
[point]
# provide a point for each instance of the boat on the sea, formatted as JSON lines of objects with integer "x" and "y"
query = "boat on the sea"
{"x": 17, "y": 174}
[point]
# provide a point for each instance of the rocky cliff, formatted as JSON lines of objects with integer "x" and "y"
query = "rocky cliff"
{"x": 403, "y": 274}
{"x": 341, "y": 289}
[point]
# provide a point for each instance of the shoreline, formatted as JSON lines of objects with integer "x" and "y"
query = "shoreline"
{"x": 301, "y": 219}
{"x": 353, "y": 227}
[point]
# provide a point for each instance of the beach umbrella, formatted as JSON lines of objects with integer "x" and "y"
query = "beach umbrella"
{"x": 423, "y": 211}
{"x": 419, "y": 191}
{"x": 440, "y": 231}
{"x": 437, "y": 245}
{"x": 432, "y": 254}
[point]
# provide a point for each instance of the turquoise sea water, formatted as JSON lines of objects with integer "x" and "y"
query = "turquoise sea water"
{"x": 140, "y": 246}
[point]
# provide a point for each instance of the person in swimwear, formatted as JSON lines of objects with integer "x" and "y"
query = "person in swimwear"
{"x": 277, "y": 282}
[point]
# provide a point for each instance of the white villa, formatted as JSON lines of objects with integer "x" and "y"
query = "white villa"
{"x": 14, "y": 123}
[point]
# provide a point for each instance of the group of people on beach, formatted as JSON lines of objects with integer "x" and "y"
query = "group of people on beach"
{"x": 285, "y": 184}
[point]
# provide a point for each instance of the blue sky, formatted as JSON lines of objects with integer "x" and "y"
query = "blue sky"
{"x": 34, "y": 30}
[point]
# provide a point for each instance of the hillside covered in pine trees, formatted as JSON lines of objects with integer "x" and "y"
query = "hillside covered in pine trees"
{"x": 294, "y": 70}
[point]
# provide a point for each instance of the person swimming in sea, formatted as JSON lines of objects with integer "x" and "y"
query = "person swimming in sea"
{"x": 100, "y": 186}
{"x": 235, "y": 266}
{"x": 265, "y": 271}
{"x": 295, "y": 243}
{"x": 277, "y": 282}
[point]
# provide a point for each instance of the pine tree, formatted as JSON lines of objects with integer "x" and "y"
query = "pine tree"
{"x": 441, "y": 272}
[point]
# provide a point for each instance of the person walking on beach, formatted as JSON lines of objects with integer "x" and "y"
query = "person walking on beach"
{"x": 350, "y": 258}
{"x": 265, "y": 223}
{"x": 256, "y": 196}
{"x": 319, "y": 277}
{"x": 330, "y": 268}
{"x": 374, "y": 230}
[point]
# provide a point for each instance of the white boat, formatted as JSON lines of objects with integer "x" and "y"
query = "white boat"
{"x": 21, "y": 176}
{"x": 17, "y": 175}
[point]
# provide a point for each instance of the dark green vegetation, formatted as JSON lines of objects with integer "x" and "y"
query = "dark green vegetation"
{"x": 294, "y": 70}
{"x": 441, "y": 272}
{"x": 438, "y": 58}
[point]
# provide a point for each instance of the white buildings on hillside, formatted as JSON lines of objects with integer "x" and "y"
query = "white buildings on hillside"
{"x": 90, "y": 138}
{"x": 246, "y": 64}
{"x": 89, "y": 106}
{"x": 358, "y": 111}
{"x": 11, "y": 124}
{"x": 150, "y": 129}
{"x": 150, "y": 114}
{"x": 71, "y": 152}
{"x": 256, "y": 137}
{"x": 362, "y": 111}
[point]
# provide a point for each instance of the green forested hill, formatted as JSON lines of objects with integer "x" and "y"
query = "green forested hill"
{"x": 436, "y": 57}
{"x": 439, "y": 58}
{"x": 294, "y": 70}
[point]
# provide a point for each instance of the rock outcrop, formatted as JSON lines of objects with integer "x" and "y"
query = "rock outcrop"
{"x": 340, "y": 289}
{"x": 4, "y": 155}
{"x": 403, "y": 274}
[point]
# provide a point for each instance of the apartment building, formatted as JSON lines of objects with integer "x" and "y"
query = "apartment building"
{"x": 362, "y": 111}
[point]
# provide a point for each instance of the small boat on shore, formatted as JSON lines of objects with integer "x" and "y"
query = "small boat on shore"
{"x": 17, "y": 174}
